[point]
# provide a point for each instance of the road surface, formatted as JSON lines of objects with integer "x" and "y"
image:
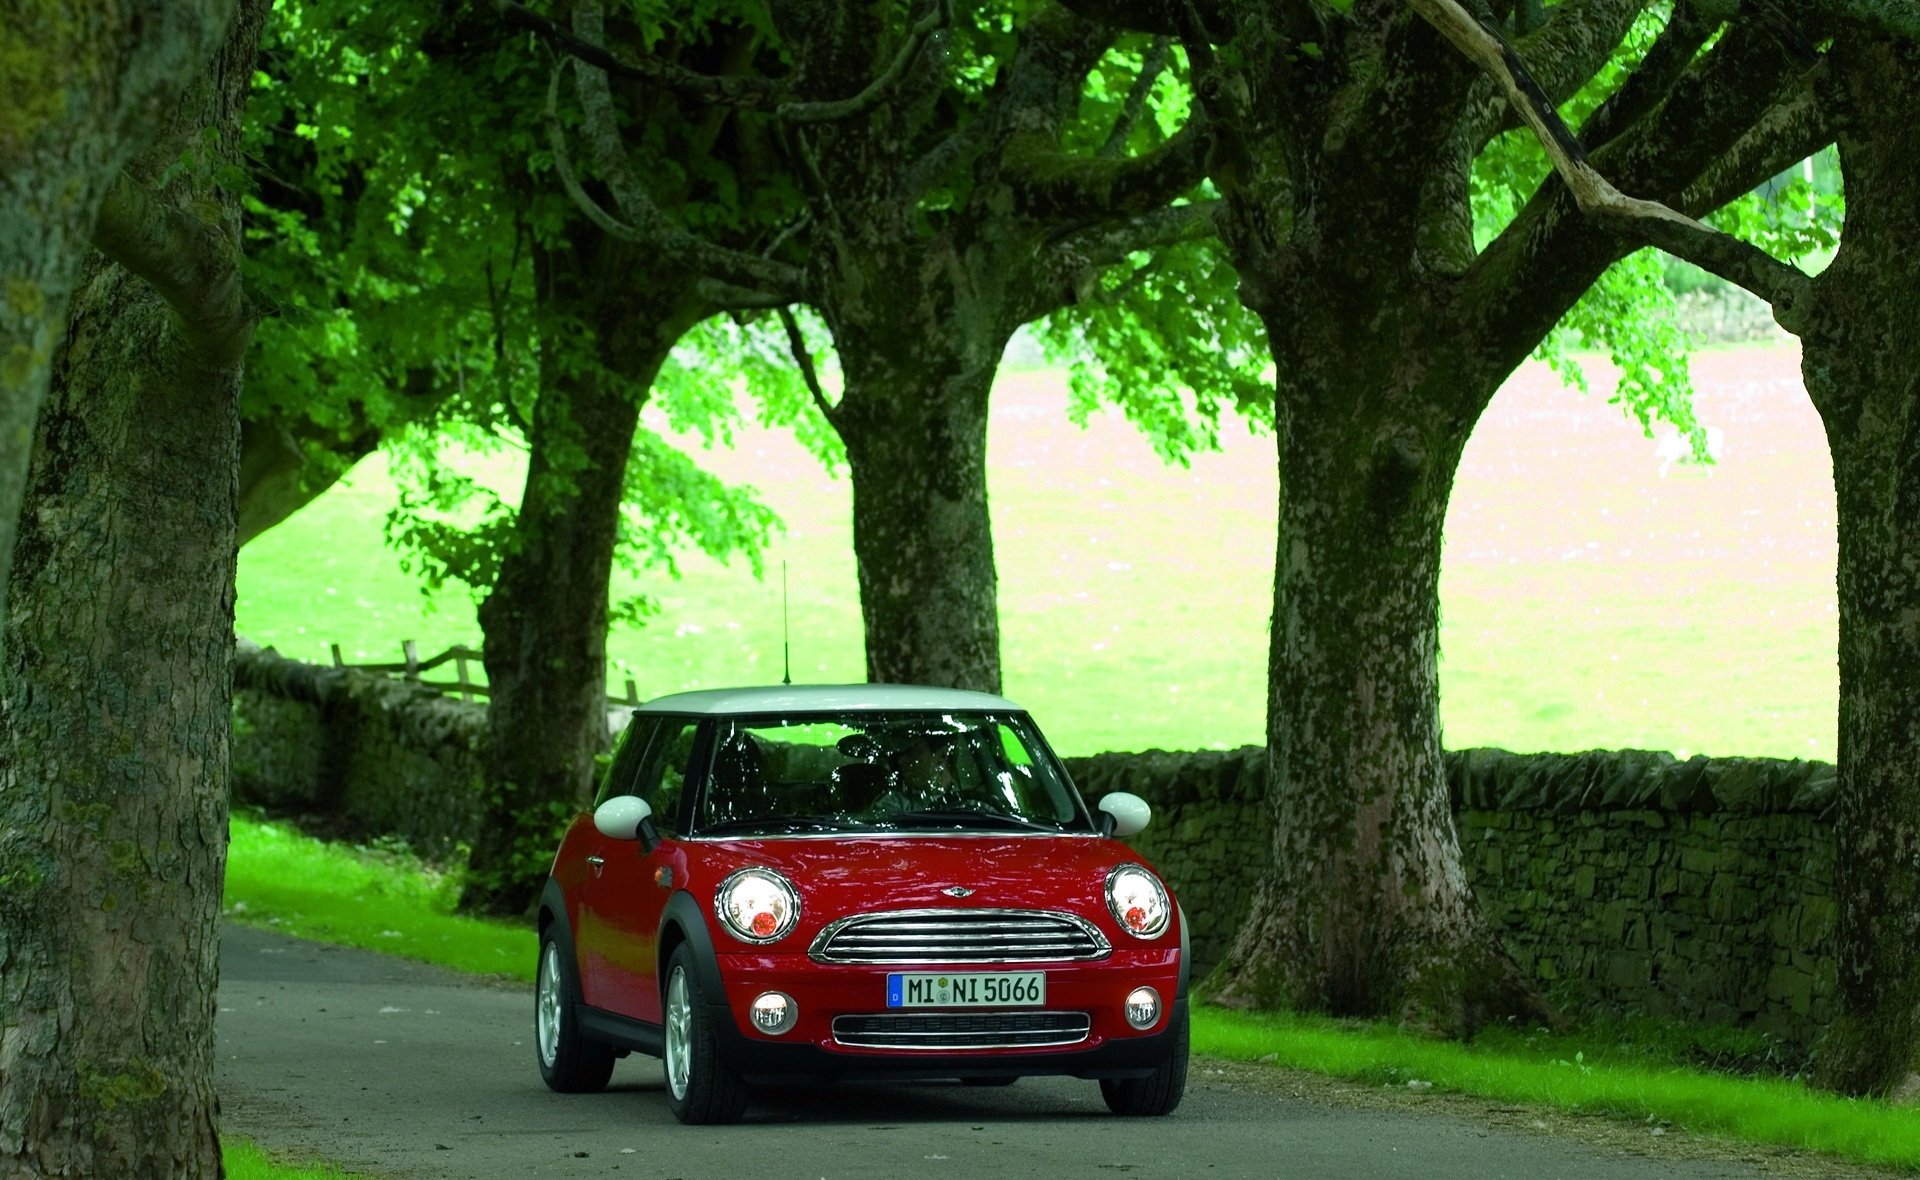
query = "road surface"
{"x": 398, "y": 1069}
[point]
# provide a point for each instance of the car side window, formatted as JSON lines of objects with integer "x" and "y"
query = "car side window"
{"x": 663, "y": 777}
{"x": 627, "y": 751}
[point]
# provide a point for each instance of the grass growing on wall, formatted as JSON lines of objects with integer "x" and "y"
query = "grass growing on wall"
{"x": 299, "y": 885}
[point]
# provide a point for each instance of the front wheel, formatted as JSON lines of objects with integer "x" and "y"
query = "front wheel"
{"x": 569, "y": 1063}
{"x": 1159, "y": 1092}
{"x": 700, "y": 1090}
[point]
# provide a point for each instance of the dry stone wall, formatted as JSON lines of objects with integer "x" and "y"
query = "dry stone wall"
{"x": 373, "y": 755}
{"x": 1620, "y": 881}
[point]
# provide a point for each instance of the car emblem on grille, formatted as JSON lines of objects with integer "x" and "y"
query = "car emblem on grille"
{"x": 957, "y": 891}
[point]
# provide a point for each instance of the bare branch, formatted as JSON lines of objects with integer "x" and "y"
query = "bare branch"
{"x": 1051, "y": 182}
{"x": 1136, "y": 100}
{"x": 1672, "y": 52}
{"x": 192, "y": 264}
{"x": 802, "y": 357}
{"x": 876, "y": 91}
{"x": 751, "y": 93}
{"x": 727, "y": 297}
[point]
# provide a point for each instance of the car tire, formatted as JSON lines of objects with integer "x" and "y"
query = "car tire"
{"x": 569, "y": 1062}
{"x": 701, "y": 1091}
{"x": 1159, "y": 1092}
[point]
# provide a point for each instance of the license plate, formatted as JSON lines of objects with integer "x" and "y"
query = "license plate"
{"x": 995, "y": 989}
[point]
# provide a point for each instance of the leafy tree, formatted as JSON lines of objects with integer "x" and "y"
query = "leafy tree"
{"x": 1859, "y": 353}
{"x": 80, "y": 91}
{"x": 118, "y": 668}
{"x": 1347, "y": 137}
{"x": 955, "y": 198}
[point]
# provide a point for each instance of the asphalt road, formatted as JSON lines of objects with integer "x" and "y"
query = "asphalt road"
{"x": 402, "y": 1070}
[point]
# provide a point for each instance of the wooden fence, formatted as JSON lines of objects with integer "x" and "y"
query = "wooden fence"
{"x": 463, "y": 659}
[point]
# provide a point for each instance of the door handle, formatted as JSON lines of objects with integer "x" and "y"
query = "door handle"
{"x": 596, "y": 861}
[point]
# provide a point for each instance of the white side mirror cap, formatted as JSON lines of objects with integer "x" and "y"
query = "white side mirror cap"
{"x": 620, "y": 817}
{"x": 1130, "y": 812}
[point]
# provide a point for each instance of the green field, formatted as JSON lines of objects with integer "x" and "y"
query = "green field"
{"x": 1588, "y": 600}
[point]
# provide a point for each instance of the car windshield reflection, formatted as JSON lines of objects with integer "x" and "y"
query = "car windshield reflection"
{"x": 885, "y": 773}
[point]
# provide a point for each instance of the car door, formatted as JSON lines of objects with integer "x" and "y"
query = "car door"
{"x": 627, "y": 889}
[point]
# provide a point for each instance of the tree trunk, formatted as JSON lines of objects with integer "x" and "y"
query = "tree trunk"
{"x": 83, "y": 91}
{"x": 916, "y": 439}
{"x": 1861, "y": 361}
{"x": 117, "y": 701}
{"x": 545, "y": 620}
{"x": 1364, "y": 909}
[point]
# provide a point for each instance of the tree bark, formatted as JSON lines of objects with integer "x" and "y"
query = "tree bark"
{"x": 116, "y": 714}
{"x": 83, "y": 89}
{"x": 545, "y": 620}
{"x": 1364, "y": 908}
{"x": 1861, "y": 361}
{"x": 916, "y": 437}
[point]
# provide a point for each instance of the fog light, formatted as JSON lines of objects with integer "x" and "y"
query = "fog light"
{"x": 775, "y": 1012}
{"x": 1143, "y": 1007}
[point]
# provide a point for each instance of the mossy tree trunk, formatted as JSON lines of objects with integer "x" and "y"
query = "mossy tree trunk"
{"x": 545, "y": 618}
{"x": 119, "y": 651}
{"x": 1348, "y": 215}
{"x": 84, "y": 87}
{"x": 914, "y": 421}
{"x": 1861, "y": 360}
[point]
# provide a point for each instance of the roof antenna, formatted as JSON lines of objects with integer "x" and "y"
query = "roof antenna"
{"x": 786, "y": 646}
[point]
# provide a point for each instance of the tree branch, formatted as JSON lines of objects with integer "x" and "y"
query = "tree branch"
{"x": 647, "y": 225}
{"x": 1136, "y": 101}
{"x": 751, "y": 93}
{"x": 190, "y": 263}
{"x": 797, "y": 343}
{"x": 876, "y": 91}
{"x": 1050, "y": 182}
{"x": 1643, "y": 221}
{"x": 1104, "y": 245}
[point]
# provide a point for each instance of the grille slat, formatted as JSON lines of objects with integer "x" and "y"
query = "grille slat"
{"x": 962, "y": 1030}
{"x": 960, "y": 936}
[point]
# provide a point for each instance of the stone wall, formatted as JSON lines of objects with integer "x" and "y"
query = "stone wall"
{"x": 1620, "y": 881}
{"x": 372, "y": 755}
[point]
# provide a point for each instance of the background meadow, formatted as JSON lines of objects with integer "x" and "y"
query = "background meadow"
{"x": 1594, "y": 593}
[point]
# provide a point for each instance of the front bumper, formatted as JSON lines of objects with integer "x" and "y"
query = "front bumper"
{"x": 1111, "y": 1049}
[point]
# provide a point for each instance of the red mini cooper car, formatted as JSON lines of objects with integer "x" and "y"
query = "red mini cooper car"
{"x": 803, "y": 883}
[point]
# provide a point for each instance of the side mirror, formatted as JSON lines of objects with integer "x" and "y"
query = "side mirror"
{"x": 624, "y": 817}
{"x": 1123, "y": 814}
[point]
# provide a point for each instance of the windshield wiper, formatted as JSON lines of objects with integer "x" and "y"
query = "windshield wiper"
{"x": 775, "y": 823}
{"x": 967, "y": 818}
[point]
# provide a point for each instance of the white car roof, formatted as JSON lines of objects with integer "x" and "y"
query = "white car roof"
{"x": 829, "y": 698}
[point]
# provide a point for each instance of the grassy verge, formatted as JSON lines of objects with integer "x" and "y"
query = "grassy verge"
{"x": 1626, "y": 1081}
{"x": 244, "y": 1161}
{"x": 298, "y": 885}
{"x": 377, "y": 899}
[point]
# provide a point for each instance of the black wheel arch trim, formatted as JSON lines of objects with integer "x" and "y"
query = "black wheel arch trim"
{"x": 686, "y": 915}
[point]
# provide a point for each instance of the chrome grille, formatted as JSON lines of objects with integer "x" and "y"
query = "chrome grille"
{"x": 961, "y": 1030}
{"x": 960, "y": 936}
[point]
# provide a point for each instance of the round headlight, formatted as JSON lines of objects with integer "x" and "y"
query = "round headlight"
{"x": 757, "y": 905}
{"x": 1138, "y": 901}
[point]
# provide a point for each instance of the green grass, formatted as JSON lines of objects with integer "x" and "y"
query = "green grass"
{"x": 245, "y": 1161}
{"x": 1637, "y": 1071}
{"x": 1586, "y": 602}
{"x": 381, "y": 900}
{"x": 1622, "y": 1082}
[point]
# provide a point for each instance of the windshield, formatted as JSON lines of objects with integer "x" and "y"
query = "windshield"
{"x": 885, "y": 772}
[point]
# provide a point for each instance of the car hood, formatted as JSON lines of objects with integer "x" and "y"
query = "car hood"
{"x": 841, "y": 877}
